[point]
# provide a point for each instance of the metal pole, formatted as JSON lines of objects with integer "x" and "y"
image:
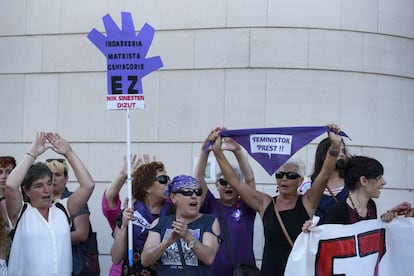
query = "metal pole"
{"x": 129, "y": 185}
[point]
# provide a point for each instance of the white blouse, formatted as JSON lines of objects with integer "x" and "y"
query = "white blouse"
{"x": 42, "y": 247}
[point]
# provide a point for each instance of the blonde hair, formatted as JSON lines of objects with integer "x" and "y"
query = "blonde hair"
{"x": 58, "y": 164}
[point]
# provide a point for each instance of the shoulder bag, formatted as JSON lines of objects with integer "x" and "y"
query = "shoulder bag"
{"x": 86, "y": 256}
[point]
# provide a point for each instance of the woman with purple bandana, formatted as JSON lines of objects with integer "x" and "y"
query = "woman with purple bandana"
{"x": 196, "y": 235}
{"x": 238, "y": 216}
{"x": 149, "y": 203}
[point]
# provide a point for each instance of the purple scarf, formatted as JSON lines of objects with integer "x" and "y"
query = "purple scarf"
{"x": 272, "y": 147}
{"x": 142, "y": 221}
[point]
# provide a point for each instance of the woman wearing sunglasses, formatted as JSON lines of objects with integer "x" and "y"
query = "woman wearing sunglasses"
{"x": 188, "y": 233}
{"x": 294, "y": 209}
{"x": 149, "y": 203}
{"x": 229, "y": 208}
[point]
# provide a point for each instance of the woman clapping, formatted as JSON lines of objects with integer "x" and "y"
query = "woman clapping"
{"x": 196, "y": 235}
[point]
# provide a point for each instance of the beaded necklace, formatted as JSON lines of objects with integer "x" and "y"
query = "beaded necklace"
{"x": 355, "y": 209}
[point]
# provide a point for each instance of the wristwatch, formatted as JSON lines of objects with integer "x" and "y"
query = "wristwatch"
{"x": 333, "y": 152}
{"x": 191, "y": 243}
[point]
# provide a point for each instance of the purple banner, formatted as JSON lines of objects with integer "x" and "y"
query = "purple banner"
{"x": 272, "y": 147}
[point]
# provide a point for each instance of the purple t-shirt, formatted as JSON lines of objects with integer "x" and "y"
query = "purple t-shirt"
{"x": 240, "y": 224}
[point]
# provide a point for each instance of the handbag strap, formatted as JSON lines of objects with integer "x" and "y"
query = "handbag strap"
{"x": 223, "y": 226}
{"x": 180, "y": 250}
{"x": 333, "y": 196}
{"x": 282, "y": 225}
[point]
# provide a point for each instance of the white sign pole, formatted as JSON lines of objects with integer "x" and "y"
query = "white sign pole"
{"x": 129, "y": 185}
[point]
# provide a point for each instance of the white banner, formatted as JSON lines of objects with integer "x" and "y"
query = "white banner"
{"x": 365, "y": 248}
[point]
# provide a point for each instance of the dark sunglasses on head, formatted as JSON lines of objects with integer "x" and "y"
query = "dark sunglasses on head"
{"x": 289, "y": 175}
{"x": 223, "y": 182}
{"x": 163, "y": 179}
{"x": 60, "y": 160}
{"x": 190, "y": 192}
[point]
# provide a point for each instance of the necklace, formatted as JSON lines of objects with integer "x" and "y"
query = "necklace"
{"x": 355, "y": 209}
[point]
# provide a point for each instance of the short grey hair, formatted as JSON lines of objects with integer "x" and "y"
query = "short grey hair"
{"x": 299, "y": 164}
{"x": 235, "y": 169}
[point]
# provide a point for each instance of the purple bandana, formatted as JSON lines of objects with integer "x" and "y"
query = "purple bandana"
{"x": 272, "y": 147}
{"x": 179, "y": 182}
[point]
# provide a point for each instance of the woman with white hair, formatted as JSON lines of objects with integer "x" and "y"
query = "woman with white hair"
{"x": 292, "y": 209}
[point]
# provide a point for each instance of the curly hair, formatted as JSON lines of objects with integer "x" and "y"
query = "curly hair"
{"x": 356, "y": 166}
{"x": 143, "y": 178}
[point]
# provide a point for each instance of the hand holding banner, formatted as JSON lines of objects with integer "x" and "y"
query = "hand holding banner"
{"x": 369, "y": 247}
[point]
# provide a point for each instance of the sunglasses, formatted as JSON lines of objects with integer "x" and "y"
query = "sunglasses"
{"x": 222, "y": 182}
{"x": 289, "y": 175}
{"x": 190, "y": 192}
{"x": 163, "y": 179}
{"x": 60, "y": 160}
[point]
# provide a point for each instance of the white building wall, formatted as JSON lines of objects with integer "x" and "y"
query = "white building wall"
{"x": 236, "y": 63}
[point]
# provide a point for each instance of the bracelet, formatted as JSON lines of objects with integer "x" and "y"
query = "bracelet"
{"x": 2, "y": 198}
{"x": 192, "y": 243}
{"x": 31, "y": 155}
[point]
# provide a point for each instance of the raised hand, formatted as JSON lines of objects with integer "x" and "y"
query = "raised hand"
{"x": 39, "y": 145}
{"x": 212, "y": 136}
{"x": 59, "y": 144}
{"x": 230, "y": 145}
{"x": 333, "y": 134}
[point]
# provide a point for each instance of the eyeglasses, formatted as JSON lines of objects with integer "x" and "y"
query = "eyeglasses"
{"x": 163, "y": 179}
{"x": 222, "y": 182}
{"x": 60, "y": 160}
{"x": 289, "y": 175}
{"x": 190, "y": 192}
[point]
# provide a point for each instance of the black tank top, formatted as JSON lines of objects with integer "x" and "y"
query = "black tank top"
{"x": 277, "y": 248}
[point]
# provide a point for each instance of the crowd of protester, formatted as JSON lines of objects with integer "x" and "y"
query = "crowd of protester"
{"x": 178, "y": 224}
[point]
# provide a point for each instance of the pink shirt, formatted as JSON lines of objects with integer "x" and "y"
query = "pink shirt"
{"x": 111, "y": 216}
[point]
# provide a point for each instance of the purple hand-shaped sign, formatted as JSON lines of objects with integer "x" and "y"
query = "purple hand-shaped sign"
{"x": 126, "y": 58}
